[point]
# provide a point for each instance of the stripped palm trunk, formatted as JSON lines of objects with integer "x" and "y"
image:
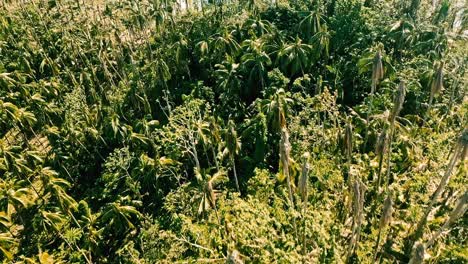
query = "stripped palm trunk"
{"x": 418, "y": 253}
{"x": 457, "y": 212}
{"x": 380, "y": 149}
{"x": 455, "y": 87}
{"x": 377, "y": 74}
{"x": 385, "y": 219}
{"x": 285, "y": 149}
{"x": 437, "y": 84}
{"x": 358, "y": 208}
{"x": 397, "y": 106}
{"x": 211, "y": 197}
{"x": 235, "y": 173}
{"x": 459, "y": 153}
{"x": 304, "y": 196}
{"x": 348, "y": 149}
{"x": 348, "y": 144}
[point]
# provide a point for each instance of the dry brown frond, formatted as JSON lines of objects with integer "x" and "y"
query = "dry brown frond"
{"x": 387, "y": 212}
{"x": 437, "y": 82}
{"x": 377, "y": 70}
{"x": 234, "y": 258}
{"x": 348, "y": 140}
{"x": 398, "y": 101}
{"x": 418, "y": 253}
{"x": 381, "y": 144}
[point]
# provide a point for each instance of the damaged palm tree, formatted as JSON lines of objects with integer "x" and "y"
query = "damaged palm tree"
{"x": 207, "y": 183}
{"x": 377, "y": 75}
{"x": 418, "y": 254}
{"x": 377, "y": 70}
{"x": 233, "y": 145}
{"x": 234, "y": 257}
{"x": 436, "y": 84}
{"x": 397, "y": 106}
{"x": 285, "y": 150}
{"x": 459, "y": 154}
{"x": 380, "y": 149}
{"x": 457, "y": 212}
{"x": 348, "y": 148}
{"x": 358, "y": 212}
{"x": 303, "y": 190}
{"x": 385, "y": 220}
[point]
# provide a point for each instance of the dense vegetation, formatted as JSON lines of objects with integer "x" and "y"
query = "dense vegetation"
{"x": 321, "y": 131}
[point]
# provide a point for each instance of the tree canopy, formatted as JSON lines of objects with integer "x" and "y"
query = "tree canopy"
{"x": 163, "y": 131}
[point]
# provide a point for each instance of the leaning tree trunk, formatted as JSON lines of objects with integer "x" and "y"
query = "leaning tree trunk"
{"x": 459, "y": 153}
{"x": 235, "y": 173}
{"x": 285, "y": 149}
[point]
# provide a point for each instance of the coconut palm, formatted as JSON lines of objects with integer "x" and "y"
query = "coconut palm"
{"x": 276, "y": 109}
{"x": 436, "y": 83}
{"x": 397, "y": 106}
{"x": 312, "y": 23}
{"x": 303, "y": 191}
{"x": 228, "y": 76}
{"x": 377, "y": 75}
{"x": 119, "y": 217}
{"x": 224, "y": 43}
{"x": 255, "y": 62}
{"x": 233, "y": 145}
{"x": 7, "y": 243}
{"x": 257, "y": 26}
{"x": 207, "y": 183}
{"x": 321, "y": 43}
{"x": 385, "y": 220}
{"x": 14, "y": 196}
{"x": 295, "y": 58}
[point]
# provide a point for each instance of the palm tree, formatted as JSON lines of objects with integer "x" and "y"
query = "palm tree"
{"x": 214, "y": 138}
{"x": 348, "y": 148}
{"x": 276, "y": 108}
{"x": 13, "y": 195}
{"x": 228, "y": 76}
{"x": 56, "y": 187}
{"x": 295, "y": 58}
{"x": 6, "y": 245}
{"x": 398, "y": 101}
{"x": 436, "y": 83}
{"x": 255, "y": 62}
{"x": 303, "y": 190}
{"x": 119, "y": 217}
{"x": 312, "y": 23}
{"x": 233, "y": 145}
{"x": 224, "y": 43}
{"x": 358, "y": 213}
{"x": 321, "y": 43}
{"x": 258, "y": 26}
{"x": 377, "y": 75}
{"x": 457, "y": 212}
{"x": 207, "y": 183}
{"x": 385, "y": 220}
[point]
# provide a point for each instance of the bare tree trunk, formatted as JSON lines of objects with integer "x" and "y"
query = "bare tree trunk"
{"x": 235, "y": 173}
{"x": 457, "y": 212}
{"x": 457, "y": 153}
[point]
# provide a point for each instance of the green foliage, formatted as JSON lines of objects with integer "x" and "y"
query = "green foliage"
{"x": 233, "y": 131}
